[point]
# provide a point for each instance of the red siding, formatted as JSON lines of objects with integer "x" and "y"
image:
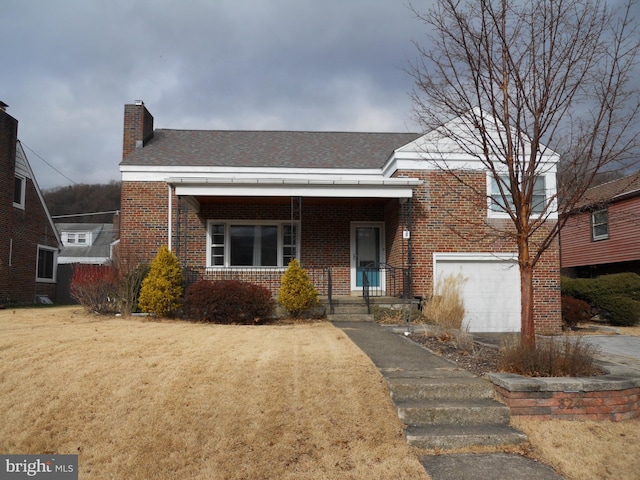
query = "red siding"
{"x": 623, "y": 244}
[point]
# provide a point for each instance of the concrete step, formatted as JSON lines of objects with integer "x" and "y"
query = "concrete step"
{"x": 349, "y": 308}
{"x": 452, "y": 412}
{"x": 462, "y": 436}
{"x": 350, "y": 317}
{"x": 449, "y": 387}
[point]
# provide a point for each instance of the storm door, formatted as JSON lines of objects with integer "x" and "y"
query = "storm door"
{"x": 367, "y": 252}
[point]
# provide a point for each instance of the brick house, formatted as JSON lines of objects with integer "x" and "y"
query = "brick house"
{"x": 363, "y": 212}
{"x": 602, "y": 233}
{"x": 29, "y": 242}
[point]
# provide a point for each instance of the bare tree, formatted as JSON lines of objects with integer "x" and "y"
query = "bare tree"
{"x": 521, "y": 76}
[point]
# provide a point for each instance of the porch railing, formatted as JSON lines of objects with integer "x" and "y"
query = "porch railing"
{"x": 387, "y": 280}
{"x": 269, "y": 277}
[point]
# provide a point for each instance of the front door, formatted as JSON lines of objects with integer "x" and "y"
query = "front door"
{"x": 367, "y": 250}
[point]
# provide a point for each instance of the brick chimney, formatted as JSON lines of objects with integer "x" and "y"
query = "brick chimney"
{"x": 138, "y": 127}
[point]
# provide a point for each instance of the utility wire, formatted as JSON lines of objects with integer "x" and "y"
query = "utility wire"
{"x": 47, "y": 163}
{"x": 84, "y": 214}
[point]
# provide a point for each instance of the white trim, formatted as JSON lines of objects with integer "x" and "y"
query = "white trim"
{"x": 332, "y": 190}
{"x": 158, "y": 173}
{"x": 54, "y": 266}
{"x": 169, "y": 222}
{"x": 23, "y": 181}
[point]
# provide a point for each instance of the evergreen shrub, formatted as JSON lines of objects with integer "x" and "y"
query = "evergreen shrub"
{"x": 616, "y": 296}
{"x": 161, "y": 290}
{"x": 228, "y": 301}
{"x": 297, "y": 294}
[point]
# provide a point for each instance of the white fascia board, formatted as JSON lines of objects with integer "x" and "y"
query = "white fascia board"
{"x": 133, "y": 173}
{"x": 452, "y": 161}
{"x": 312, "y": 189}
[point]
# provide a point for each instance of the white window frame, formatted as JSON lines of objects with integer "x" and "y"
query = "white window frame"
{"x": 280, "y": 224}
{"x": 23, "y": 188}
{"x": 493, "y": 212}
{"x": 603, "y": 236}
{"x": 76, "y": 239}
{"x": 53, "y": 267}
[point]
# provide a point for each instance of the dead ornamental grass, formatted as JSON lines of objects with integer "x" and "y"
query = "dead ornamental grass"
{"x": 171, "y": 400}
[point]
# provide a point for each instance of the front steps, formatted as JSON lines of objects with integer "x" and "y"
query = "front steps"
{"x": 352, "y": 308}
{"x": 450, "y": 408}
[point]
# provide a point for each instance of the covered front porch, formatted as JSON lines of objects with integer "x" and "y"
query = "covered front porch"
{"x": 351, "y": 241}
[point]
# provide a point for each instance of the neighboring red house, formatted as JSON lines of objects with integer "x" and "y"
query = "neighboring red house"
{"x": 602, "y": 234}
{"x": 29, "y": 242}
{"x": 365, "y": 210}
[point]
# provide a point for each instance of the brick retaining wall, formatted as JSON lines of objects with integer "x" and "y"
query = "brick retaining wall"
{"x": 606, "y": 397}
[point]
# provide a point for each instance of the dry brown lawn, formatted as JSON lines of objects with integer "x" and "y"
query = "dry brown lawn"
{"x": 173, "y": 400}
{"x": 586, "y": 450}
{"x": 163, "y": 400}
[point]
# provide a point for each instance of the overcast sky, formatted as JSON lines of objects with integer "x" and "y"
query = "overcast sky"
{"x": 69, "y": 66}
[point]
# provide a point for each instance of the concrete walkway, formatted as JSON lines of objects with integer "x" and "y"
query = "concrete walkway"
{"x": 391, "y": 353}
{"x": 618, "y": 349}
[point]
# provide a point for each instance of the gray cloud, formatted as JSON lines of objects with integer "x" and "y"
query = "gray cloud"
{"x": 69, "y": 66}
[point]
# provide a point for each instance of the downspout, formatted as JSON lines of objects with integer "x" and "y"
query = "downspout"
{"x": 170, "y": 214}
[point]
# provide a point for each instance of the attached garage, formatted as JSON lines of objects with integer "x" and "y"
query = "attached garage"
{"x": 491, "y": 291}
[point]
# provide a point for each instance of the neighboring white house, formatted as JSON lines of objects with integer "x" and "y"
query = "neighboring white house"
{"x": 90, "y": 243}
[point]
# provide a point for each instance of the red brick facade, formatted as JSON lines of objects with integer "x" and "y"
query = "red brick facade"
{"x": 443, "y": 219}
{"x": 21, "y": 229}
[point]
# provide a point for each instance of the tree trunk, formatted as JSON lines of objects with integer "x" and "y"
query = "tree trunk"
{"x": 527, "y": 333}
{"x": 527, "y": 325}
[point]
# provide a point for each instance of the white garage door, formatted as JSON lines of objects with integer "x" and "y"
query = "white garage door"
{"x": 491, "y": 292}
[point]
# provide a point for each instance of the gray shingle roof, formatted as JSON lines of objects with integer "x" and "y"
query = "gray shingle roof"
{"x": 293, "y": 149}
{"x": 101, "y": 246}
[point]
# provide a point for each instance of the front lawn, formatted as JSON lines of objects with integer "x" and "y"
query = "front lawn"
{"x": 165, "y": 400}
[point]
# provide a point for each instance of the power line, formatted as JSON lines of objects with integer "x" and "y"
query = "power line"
{"x": 84, "y": 214}
{"x": 47, "y": 163}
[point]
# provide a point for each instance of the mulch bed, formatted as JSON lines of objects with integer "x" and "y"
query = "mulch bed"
{"x": 480, "y": 361}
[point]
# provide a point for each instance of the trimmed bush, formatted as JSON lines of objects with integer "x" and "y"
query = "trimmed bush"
{"x": 161, "y": 290}
{"x": 94, "y": 287}
{"x": 616, "y": 296}
{"x": 574, "y": 311}
{"x": 620, "y": 311}
{"x": 297, "y": 294}
{"x": 228, "y": 301}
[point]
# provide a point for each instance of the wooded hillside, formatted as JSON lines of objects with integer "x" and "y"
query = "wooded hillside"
{"x": 84, "y": 199}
